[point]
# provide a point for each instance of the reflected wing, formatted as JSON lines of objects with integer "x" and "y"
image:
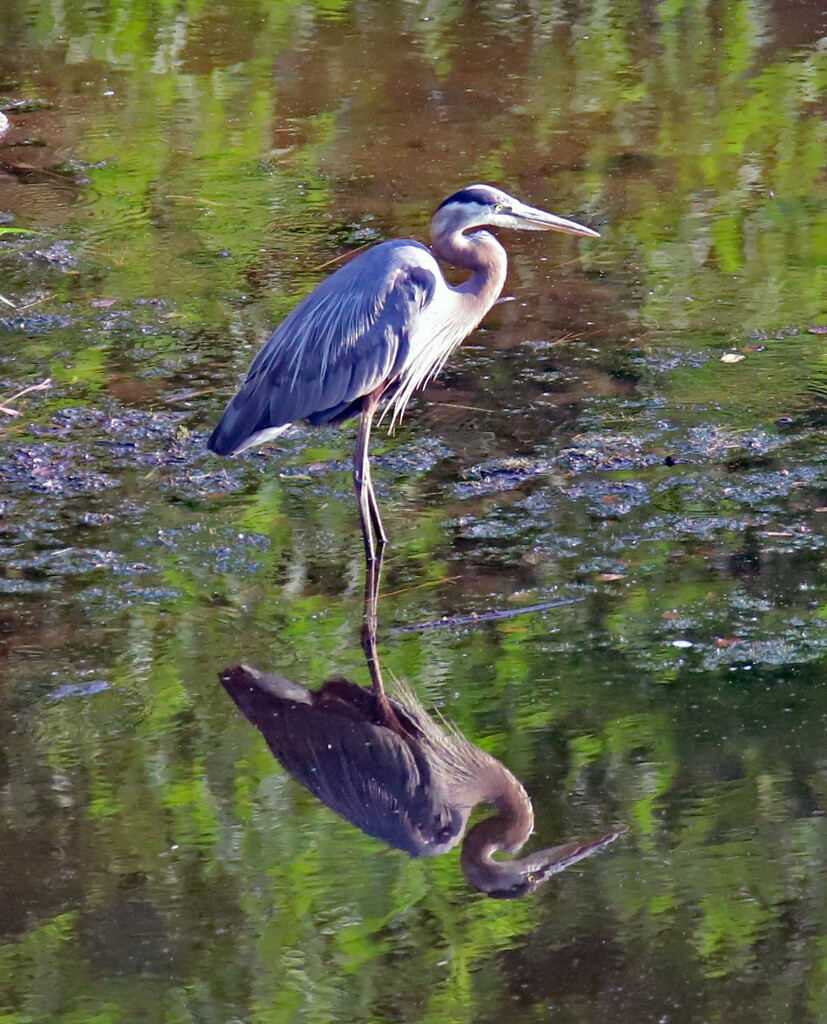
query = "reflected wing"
{"x": 364, "y": 772}
{"x": 341, "y": 342}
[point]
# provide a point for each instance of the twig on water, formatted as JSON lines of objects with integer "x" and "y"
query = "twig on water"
{"x": 465, "y": 408}
{"x": 34, "y": 302}
{"x": 183, "y": 396}
{"x": 451, "y": 621}
{"x": 342, "y": 256}
{"x": 6, "y": 408}
{"x": 419, "y": 586}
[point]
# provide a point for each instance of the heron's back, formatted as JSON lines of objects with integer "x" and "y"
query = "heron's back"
{"x": 349, "y": 336}
{"x": 330, "y": 741}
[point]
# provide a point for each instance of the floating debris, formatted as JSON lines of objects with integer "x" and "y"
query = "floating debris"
{"x": 79, "y": 689}
{"x": 5, "y": 406}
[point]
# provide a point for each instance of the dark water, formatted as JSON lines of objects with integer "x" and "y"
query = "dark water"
{"x": 186, "y": 172}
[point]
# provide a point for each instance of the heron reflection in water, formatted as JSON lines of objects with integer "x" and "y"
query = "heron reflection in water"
{"x": 380, "y": 327}
{"x": 409, "y": 780}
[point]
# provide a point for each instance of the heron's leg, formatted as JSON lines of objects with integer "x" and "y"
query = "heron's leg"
{"x": 373, "y": 572}
{"x": 379, "y": 536}
{"x": 373, "y": 532}
{"x": 376, "y": 519}
{"x": 370, "y": 621}
{"x": 375, "y": 542}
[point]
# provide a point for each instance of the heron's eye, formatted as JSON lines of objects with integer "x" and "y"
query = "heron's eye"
{"x": 498, "y": 207}
{"x": 531, "y": 877}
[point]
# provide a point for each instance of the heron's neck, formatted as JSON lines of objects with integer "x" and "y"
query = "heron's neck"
{"x": 506, "y": 832}
{"x": 483, "y": 255}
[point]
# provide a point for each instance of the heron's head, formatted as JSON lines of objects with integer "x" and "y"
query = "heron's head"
{"x": 484, "y": 206}
{"x": 511, "y": 879}
{"x": 523, "y": 877}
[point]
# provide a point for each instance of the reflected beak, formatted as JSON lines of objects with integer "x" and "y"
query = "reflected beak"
{"x": 557, "y": 858}
{"x": 529, "y": 218}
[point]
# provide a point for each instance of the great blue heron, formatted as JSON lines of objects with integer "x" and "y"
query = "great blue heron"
{"x": 409, "y": 782}
{"x": 382, "y": 325}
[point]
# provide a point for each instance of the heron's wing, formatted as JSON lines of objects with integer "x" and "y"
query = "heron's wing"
{"x": 366, "y": 773}
{"x": 346, "y": 338}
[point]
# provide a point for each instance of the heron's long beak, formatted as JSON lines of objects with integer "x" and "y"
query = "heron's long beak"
{"x": 557, "y": 858}
{"x": 529, "y": 218}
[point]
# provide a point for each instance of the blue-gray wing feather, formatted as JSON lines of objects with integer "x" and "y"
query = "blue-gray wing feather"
{"x": 364, "y": 772}
{"x": 346, "y": 338}
{"x": 368, "y": 776}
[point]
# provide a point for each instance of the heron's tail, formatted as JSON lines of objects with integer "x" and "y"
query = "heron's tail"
{"x": 235, "y": 432}
{"x": 251, "y": 688}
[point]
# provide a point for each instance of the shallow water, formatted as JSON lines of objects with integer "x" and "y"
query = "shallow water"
{"x": 186, "y": 173}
